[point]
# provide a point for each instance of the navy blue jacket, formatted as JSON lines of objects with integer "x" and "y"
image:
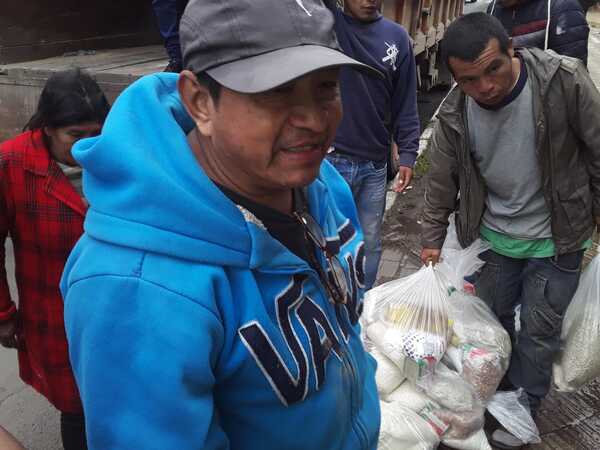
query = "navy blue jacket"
{"x": 526, "y": 24}
{"x": 376, "y": 110}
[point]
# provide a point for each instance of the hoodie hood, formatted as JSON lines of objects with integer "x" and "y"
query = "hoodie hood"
{"x": 147, "y": 191}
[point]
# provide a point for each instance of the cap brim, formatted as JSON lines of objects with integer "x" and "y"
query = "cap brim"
{"x": 270, "y": 70}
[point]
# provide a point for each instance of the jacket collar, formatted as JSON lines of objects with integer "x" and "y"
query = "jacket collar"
{"x": 37, "y": 161}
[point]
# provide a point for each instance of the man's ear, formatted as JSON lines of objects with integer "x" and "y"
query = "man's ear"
{"x": 197, "y": 101}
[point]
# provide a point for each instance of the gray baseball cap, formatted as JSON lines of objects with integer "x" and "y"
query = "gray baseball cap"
{"x": 252, "y": 46}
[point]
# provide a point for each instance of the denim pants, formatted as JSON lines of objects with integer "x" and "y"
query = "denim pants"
{"x": 367, "y": 180}
{"x": 168, "y": 13}
{"x": 544, "y": 287}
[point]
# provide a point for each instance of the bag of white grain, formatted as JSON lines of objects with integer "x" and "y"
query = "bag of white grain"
{"x": 579, "y": 359}
{"x": 404, "y": 429}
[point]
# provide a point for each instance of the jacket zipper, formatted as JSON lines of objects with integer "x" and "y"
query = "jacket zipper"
{"x": 348, "y": 364}
{"x": 467, "y": 172}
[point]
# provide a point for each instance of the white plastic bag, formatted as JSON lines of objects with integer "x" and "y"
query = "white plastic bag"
{"x": 404, "y": 429}
{"x": 477, "y": 441}
{"x": 579, "y": 360}
{"x": 451, "y": 241}
{"x": 415, "y": 311}
{"x": 475, "y": 324}
{"x": 511, "y": 409}
{"x": 456, "y": 264}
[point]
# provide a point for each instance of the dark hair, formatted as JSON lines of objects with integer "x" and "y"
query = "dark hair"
{"x": 69, "y": 98}
{"x": 470, "y": 34}
{"x": 213, "y": 86}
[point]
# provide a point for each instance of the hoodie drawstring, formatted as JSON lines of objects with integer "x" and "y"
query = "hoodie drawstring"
{"x": 547, "y": 26}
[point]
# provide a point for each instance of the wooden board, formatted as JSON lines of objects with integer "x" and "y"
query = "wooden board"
{"x": 35, "y": 29}
{"x": 22, "y": 83}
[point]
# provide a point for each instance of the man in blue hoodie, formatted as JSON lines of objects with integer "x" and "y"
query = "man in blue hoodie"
{"x": 377, "y": 112}
{"x": 213, "y": 301}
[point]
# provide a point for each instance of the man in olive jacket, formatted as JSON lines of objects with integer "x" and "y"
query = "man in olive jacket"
{"x": 516, "y": 153}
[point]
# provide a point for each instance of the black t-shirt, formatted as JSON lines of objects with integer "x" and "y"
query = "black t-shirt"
{"x": 283, "y": 227}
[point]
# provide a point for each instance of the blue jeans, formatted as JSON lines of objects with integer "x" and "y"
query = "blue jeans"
{"x": 367, "y": 180}
{"x": 168, "y": 13}
{"x": 544, "y": 287}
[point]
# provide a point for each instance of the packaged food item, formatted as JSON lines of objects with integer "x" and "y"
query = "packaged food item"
{"x": 477, "y": 441}
{"x": 404, "y": 429}
{"x": 409, "y": 396}
{"x": 388, "y": 376}
{"x": 475, "y": 324}
{"x": 396, "y": 346}
{"x": 483, "y": 369}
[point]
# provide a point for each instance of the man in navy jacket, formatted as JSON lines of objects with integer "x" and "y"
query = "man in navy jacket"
{"x": 559, "y": 25}
{"x": 376, "y": 112}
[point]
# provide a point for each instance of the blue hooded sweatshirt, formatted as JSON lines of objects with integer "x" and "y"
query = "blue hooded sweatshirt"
{"x": 189, "y": 326}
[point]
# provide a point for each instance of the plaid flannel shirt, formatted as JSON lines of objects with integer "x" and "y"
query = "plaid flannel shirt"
{"x": 44, "y": 215}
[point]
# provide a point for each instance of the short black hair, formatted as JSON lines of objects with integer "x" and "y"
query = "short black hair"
{"x": 69, "y": 97}
{"x": 470, "y": 34}
{"x": 213, "y": 86}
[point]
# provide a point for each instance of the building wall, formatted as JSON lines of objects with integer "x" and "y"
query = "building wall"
{"x": 34, "y": 29}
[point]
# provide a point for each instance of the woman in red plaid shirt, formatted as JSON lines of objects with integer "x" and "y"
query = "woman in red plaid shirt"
{"x": 42, "y": 208}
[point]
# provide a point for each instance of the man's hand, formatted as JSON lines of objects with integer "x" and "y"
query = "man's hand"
{"x": 430, "y": 255}
{"x": 403, "y": 178}
{"x": 8, "y": 333}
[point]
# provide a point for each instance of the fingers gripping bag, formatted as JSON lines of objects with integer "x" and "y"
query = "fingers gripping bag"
{"x": 412, "y": 315}
{"x": 579, "y": 360}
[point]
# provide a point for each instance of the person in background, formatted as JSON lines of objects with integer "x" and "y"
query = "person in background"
{"x": 42, "y": 209}
{"x": 519, "y": 142}
{"x": 558, "y": 25}
{"x": 168, "y": 13}
{"x": 377, "y": 113}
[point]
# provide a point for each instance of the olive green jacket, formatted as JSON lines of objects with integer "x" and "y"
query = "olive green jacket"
{"x": 567, "y": 116}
